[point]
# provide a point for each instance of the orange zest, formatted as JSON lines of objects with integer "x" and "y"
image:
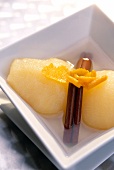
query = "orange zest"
{"x": 79, "y": 77}
{"x": 56, "y": 73}
{"x": 97, "y": 81}
{"x": 85, "y": 78}
{"x": 74, "y": 81}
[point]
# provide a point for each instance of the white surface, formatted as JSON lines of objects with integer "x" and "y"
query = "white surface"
{"x": 84, "y": 39}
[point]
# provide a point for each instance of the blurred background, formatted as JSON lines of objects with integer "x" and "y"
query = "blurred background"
{"x": 19, "y": 18}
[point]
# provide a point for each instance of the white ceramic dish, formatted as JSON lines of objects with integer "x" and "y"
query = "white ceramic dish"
{"x": 88, "y": 30}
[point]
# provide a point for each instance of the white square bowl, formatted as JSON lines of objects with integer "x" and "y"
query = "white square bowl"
{"x": 88, "y": 30}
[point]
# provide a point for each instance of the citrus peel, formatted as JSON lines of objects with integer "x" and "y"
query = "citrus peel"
{"x": 56, "y": 73}
{"x": 79, "y": 77}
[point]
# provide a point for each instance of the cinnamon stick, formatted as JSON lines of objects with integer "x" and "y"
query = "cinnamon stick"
{"x": 74, "y": 98}
{"x": 82, "y": 63}
{"x": 74, "y": 104}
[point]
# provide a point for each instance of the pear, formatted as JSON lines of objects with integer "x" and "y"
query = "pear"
{"x": 44, "y": 95}
{"x": 98, "y": 103}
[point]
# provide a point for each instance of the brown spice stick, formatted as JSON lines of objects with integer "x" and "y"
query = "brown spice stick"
{"x": 74, "y": 104}
{"x": 82, "y": 63}
{"x": 73, "y": 91}
{"x": 70, "y": 106}
{"x": 78, "y": 105}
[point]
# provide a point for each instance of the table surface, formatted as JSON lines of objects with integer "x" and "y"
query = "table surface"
{"x": 19, "y": 18}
